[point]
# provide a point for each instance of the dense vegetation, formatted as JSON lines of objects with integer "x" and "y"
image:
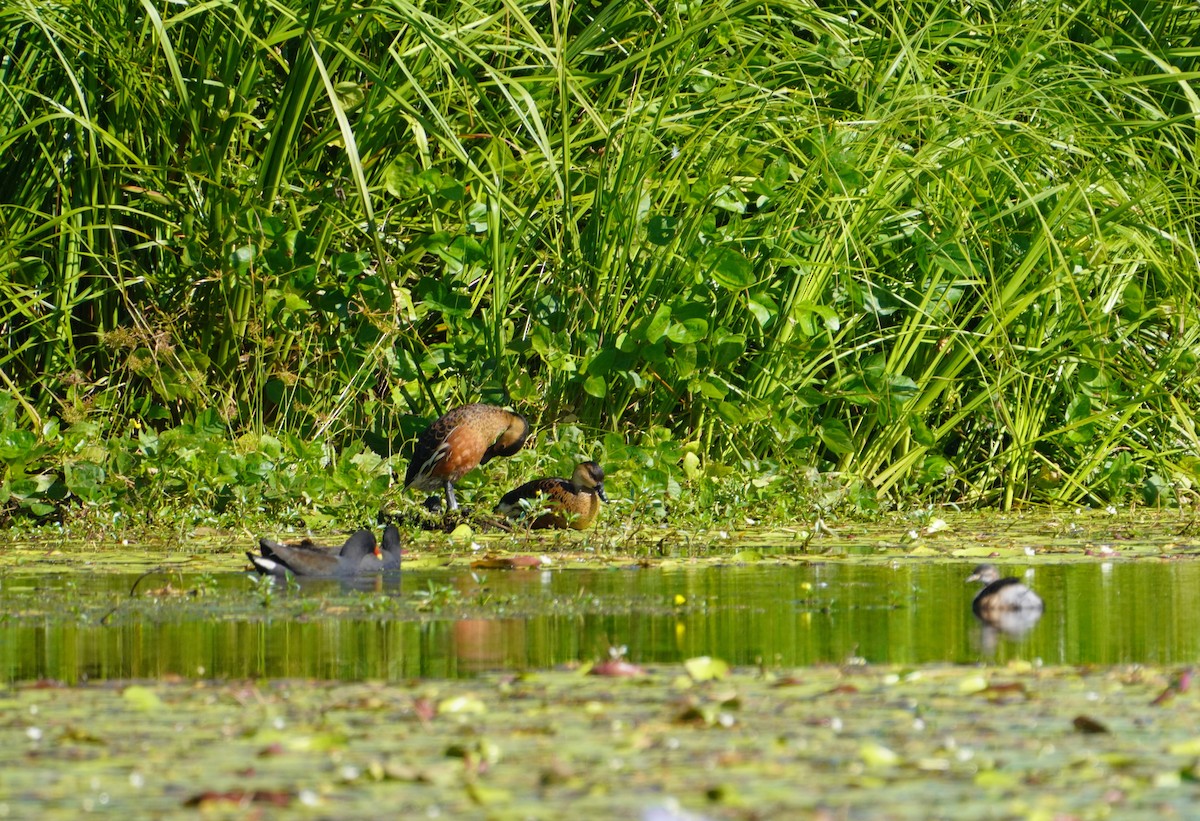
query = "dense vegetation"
{"x": 932, "y": 251}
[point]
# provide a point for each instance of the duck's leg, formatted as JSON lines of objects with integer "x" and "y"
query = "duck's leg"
{"x": 451, "y": 502}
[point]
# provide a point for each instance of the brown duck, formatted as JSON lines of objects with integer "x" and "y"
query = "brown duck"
{"x": 459, "y": 442}
{"x": 560, "y": 503}
{"x": 360, "y": 554}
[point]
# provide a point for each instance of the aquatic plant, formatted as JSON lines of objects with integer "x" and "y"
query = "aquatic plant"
{"x": 934, "y": 251}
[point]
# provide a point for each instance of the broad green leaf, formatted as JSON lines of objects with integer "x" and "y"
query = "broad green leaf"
{"x": 656, "y": 326}
{"x": 272, "y": 227}
{"x": 936, "y": 468}
{"x": 604, "y": 362}
{"x": 1156, "y": 490}
{"x": 955, "y": 260}
{"x": 84, "y": 479}
{"x": 775, "y": 175}
{"x": 997, "y": 780}
{"x": 728, "y": 349}
{"x": 442, "y": 296}
{"x": 900, "y": 389}
{"x": 462, "y": 705}
{"x": 398, "y": 178}
{"x": 462, "y": 252}
{"x": 16, "y": 444}
{"x": 876, "y": 755}
{"x": 1133, "y": 301}
{"x": 731, "y": 413}
{"x": 687, "y": 331}
{"x": 375, "y": 292}
{"x": 706, "y": 668}
{"x": 713, "y": 388}
{"x": 972, "y": 684}
{"x": 350, "y": 94}
{"x": 814, "y": 319}
{"x": 691, "y": 465}
{"x": 730, "y": 199}
{"x": 877, "y": 300}
{"x": 1079, "y": 409}
{"x": 301, "y": 742}
{"x": 731, "y": 269}
{"x": 990, "y": 551}
{"x": 304, "y": 277}
{"x": 761, "y": 312}
{"x": 484, "y": 795}
{"x": 595, "y": 385}
{"x": 477, "y": 217}
{"x": 1188, "y": 747}
{"x": 32, "y": 486}
{"x": 836, "y": 436}
{"x": 142, "y": 698}
{"x": 241, "y": 258}
{"x": 351, "y": 264}
{"x": 921, "y": 433}
{"x": 685, "y": 360}
{"x": 660, "y": 229}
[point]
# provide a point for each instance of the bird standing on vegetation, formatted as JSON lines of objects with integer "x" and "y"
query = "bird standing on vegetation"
{"x": 460, "y": 441}
{"x": 1000, "y": 595}
{"x": 571, "y": 502}
{"x": 359, "y": 555}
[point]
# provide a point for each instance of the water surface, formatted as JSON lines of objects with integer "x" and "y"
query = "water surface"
{"x": 456, "y": 623}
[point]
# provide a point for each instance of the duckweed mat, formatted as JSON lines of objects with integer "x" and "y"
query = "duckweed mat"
{"x": 691, "y": 741}
{"x": 1039, "y": 536}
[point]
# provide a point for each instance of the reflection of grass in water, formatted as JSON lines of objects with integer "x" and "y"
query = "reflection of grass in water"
{"x": 815, "y": 611}
{"x": 863, "y": 741}
{"x": 856, "y": 589}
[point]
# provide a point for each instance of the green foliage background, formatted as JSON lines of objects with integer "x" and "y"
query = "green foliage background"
{"x": 935, "y": 251}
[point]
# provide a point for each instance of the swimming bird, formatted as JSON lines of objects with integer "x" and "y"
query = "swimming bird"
{"x": 390, "y": 560}
{"x": 1001, "y": 595}
{"x": 359, "y": 555}
{"x": 572, "y": 502}
{"x": 460, "y": 441}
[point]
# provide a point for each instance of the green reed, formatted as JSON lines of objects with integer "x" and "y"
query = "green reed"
{"x": 944, "y": 253}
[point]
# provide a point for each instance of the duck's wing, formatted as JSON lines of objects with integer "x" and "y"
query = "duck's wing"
{"x": 552, "y": 487}
{"x": 267, "y": 547}
{"x": 432, "y": 448}
{"x": 280, "y": 559}
{"x": 361, "y": 543}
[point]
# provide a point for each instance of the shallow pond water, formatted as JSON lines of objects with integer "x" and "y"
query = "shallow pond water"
{"x": 455, "y": 623}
